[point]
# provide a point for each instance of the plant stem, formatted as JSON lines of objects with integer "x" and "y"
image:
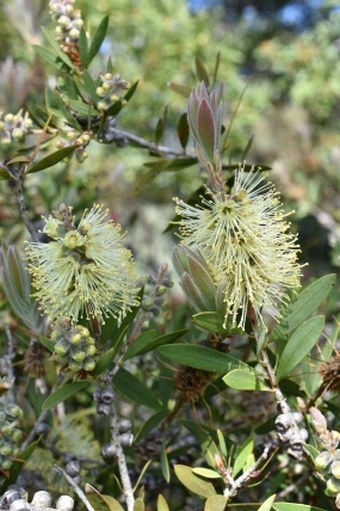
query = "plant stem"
{"x": 121, "y": 135}
{"x": 76, "y": 488}
{"x": 121, "y": 460}
{"x": 19, "y": 178}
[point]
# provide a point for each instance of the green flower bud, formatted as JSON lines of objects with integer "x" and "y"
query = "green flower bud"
{"x": 13, "y": 411}
{"x": 89, "y": 365}
{"x": 79, "y": 356}
{"x": 335, "y": 469}
{"x": 76, "y": 339}
{"x": 61, "y": 348}
{"x": 91, "y": 350}
{"x": 322, "y": 460}
{"x": 100, "y": 91}
{"x": 333, "y": 486}
{"x": 6, "y": 450}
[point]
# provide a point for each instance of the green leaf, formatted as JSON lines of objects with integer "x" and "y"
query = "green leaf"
{"x": 150, "y": 424}
{"x": 101, "y": 502}
{"x": 49, "y": 345}
{"x": 83, "y": 49}
{"x": 51, "y": 159}
{"x": 159, "y": 130}
{"x": 306, "y": 303}
{"x": 4, "y": 174}
{"x": 140, "y": 345}
{"x": 145, "y": 343}
{"x": 299, "y": 345}
{"x": 182, "y": 90}
{"x": 131, "y": 91}
{"x": 215, "y": 503}
{"x": 90, "y": 86}
{"x": 241, "y": 460}
{"x": 98, "y": 39}
{"x": 58, "y": 51}
{"x": 267, "y": 505}
{"x": 211, "y": 321}
{"x": 133, "y": 388}
{"x": 141, "y": 474}
{"x": 183, "y": 130}
{"x": 82, "y": 108}
{"x": 64, "y": 112}
{"x": 193, "y": 482}
{"x": 162, "y": 503}
{"x": 201, "y": 72}
{"x": 240, "y": 379}
{"x": 208, "y": 473}
{"x": 216, "y": 68}
{"x": 292, "y": 506}
{"x": 201, "y": 357}
{"x": 165, "y": 464}
{"x": 139, "y": 505}
{"x": 46, "y": 55}
{"x": 63, "y": 393}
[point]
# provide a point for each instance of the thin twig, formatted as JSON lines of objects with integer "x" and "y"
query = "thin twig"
{"x": 76, "y": 488}
{"x": 118, "y": 134}
{"x": 121, "y": 460}
{"x": 19, "y": 178}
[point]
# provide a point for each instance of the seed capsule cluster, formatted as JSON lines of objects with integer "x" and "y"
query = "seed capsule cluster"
{"x": 69, "y": 23}
{"x": 110, "y": 90}
{"x": 14, "y": 127}
{"x": 11, "y": 435}
{"x": 74, "y": 347}
{"x": 289, "y": 432}
{"x": 15, "y": 499}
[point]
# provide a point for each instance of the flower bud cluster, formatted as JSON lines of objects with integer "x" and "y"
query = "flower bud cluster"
{"x": 15, "y": 499}
{"x": 80, "y": 141}
{"x": 154, "y": 295}
{"x": 69, "y": 23}
{"x": 327, "y": 462}
{"x": 74, "y": 347}
{"x": 11, "y": 435}
{"x": 110, "y": 90}
{"x": 14, "y": 128}
{"x": 104, "y": 399}
{"x": 289, "y": 432}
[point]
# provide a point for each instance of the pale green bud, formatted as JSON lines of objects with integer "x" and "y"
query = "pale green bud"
{"x": 76, "y": 339}
{"x": 100, "y": 91}
{"x": 51, "y": 227}
{"x": 333, "y": 486}
{"x": 91, "y": 350}
{"x": 89, "y": 365}
{"x": 322, "y": 460}
{"x": 101, "y": 105}
{"x": 74, "y": 33}
{"x": 64, "y": 21}
{"x": 79, "y": 356}
{"x": 335, "y": 469}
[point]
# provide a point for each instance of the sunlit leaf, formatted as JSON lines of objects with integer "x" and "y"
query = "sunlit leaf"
{"x": 299, "y": 345}
{"x": 240, "y": 379}
{"x": 193, "y": 482}
{"x": 98, "y": 39}
{"x": 63, "y": 393}
{"x": 51, "y": 159}
{"x": 216, "y": 503}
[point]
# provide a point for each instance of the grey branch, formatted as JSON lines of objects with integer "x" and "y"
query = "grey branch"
{"x": 78, "y": 491}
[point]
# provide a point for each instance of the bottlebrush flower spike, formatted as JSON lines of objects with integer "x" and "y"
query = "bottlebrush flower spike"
{"x": 84, "y": 272}
{"x": 205, "y": 112}
{"x": 244, "y": 239}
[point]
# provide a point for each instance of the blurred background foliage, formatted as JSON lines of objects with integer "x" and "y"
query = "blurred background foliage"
{"x": 280, "y": 65}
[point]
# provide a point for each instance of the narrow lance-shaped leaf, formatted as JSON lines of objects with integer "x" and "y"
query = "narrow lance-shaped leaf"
{"x": 306, "y": 303}
{"x": 206, "y": 128}
{"x": 98, "y": 39}
{"x": 201, "y": 357}
{"x": 63, "y": 393}
{"x": 299, "y": 345}
{"x": 183, "y": 130}
{"x": 267, "y": 505}
{"x": 201, "y": 72}
{"x": 51, "y": 159}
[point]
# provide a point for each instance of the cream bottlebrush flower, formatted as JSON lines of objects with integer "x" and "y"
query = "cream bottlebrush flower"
{"x": 244, "y": 239}
{"x": 85, "y": 272}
